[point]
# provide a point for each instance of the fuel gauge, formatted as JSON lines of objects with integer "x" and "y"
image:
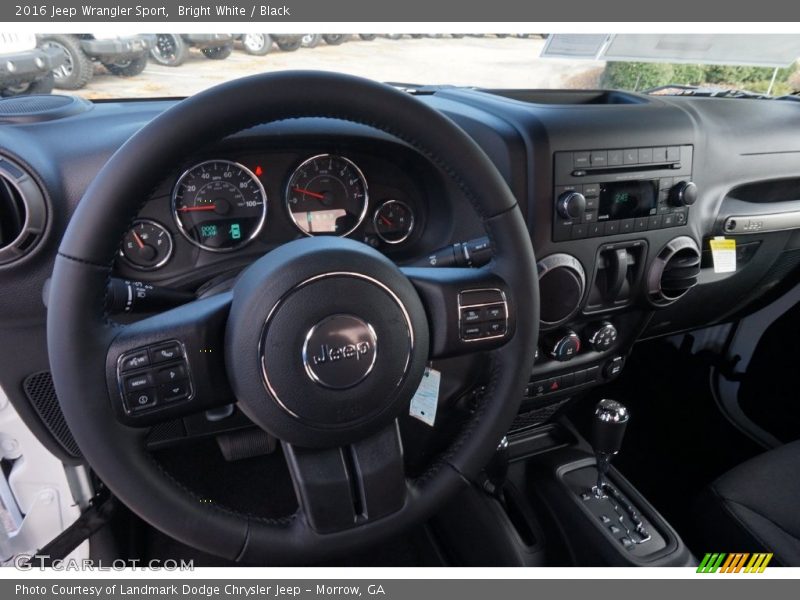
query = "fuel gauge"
{"x": 147, "y": 245}
{"x": 393, "y": 221}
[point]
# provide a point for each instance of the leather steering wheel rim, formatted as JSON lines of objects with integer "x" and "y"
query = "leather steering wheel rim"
{"x": 80, "y": 332}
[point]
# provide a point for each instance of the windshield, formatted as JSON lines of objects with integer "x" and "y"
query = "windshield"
{"x": 167, "y": 65}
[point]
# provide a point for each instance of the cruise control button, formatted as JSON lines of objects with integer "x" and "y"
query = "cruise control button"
{"x": 170, "y": 374}
{"x": 141, "y": 400}
{"x": 135, "y": 360}
{"x": 138, "y": 382}
{"x": 470, "y": 315}
{"x": 471, "y": 332}
{"x": 498, "y": 311}
{"x": 165, "y": 353}
{"x": 495, "y": 328}
{"x": 174, "y": 391}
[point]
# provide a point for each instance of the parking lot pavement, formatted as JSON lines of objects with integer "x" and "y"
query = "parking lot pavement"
{"x": 482, "y": 62}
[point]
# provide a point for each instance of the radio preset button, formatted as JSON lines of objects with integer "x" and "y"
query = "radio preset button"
{"x": 595, "y": 229}
{"x": 626, "y": 226}
{"x": 591, "y": 190}
{"x": 640, "y": 224}
{"x": 654, "y": 222}
{"x": 612, "y": 227}
{"x": 614, "y": 158}
{"x": 599, "y": 158}
{"x": 673, "y": 153}
{"x": 580, "y": 160}
{"x": 579, "y": 231}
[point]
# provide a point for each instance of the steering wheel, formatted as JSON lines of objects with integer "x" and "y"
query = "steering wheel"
{"x": 322, "y": 342}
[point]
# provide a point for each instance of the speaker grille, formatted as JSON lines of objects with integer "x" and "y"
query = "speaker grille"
{"x": 32, "y": 109}
{"x": 39, "y": 389}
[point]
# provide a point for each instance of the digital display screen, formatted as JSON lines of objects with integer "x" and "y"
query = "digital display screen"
{"x": 627, "y": 199}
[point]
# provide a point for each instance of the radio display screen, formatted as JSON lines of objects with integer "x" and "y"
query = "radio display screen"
{"x": 627, "y": 199}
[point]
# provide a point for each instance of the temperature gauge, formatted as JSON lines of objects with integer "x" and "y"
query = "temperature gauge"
{"x": 393, "y": 221}
{"x": 147, "y": 245}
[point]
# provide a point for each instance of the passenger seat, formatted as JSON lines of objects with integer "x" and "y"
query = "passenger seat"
{"x": 755, "y": 507}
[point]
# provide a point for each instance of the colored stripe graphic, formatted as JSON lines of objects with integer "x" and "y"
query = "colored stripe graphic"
{"x": 735, "y": 562}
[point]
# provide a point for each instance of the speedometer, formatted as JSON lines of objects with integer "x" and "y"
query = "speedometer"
{"x": 327, "y": 195}
{"x": 219, "y": 205}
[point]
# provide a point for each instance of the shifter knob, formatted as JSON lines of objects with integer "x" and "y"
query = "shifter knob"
{"x": 608, "y": 429}
{"x": 608, "y": 426}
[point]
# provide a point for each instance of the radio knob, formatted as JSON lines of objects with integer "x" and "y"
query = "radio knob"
{"x": 571, "y": 205}
{"x": 564, "y": 345}
{"x": 683, "y": 193}
{"x": 602, "y": 336}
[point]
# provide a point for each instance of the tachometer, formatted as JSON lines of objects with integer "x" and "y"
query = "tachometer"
{"x": 219, "y": 205}
{"x": 327, "y": 195}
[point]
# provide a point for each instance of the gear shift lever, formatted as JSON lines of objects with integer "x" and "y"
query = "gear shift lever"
{"x": 608, "y": 429}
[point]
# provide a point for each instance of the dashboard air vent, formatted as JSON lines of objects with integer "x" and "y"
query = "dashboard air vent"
{"x": 674, "y": 271}
{"x": 23, "y": 212}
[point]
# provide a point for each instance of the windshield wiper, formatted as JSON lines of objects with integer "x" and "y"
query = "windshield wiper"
{"x": 676, "y": 89}
{"x": 417, "y": 88}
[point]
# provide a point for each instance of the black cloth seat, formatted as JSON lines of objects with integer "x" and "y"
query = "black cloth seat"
{"x": 755, "y": 507}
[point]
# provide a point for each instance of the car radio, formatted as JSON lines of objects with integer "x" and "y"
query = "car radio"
{"x": 612, "y": 192}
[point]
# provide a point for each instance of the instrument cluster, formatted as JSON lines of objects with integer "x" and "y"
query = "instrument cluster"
{"x": 222, "y": 205}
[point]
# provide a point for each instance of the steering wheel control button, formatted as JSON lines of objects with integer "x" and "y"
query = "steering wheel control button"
{"x": 471, "y": 315}
{"x": 138, "y": 382}
{"x": 340, "y": 351}
{"x": 147, "y": 382}
{"x": 171, "y": 374}
{"x": 165, "y": 353}
{"x": 482, "y": 314}
{"x": 171, "y": 392}
{"x": 141, "y": 400}
{"x": 135, "y": 360}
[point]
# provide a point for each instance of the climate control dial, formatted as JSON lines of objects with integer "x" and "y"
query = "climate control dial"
{"x": 564, "y": 345}
{"x": 602, "y": 336}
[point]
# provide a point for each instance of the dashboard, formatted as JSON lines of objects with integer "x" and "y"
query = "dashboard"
{"x": 622, "y": 195}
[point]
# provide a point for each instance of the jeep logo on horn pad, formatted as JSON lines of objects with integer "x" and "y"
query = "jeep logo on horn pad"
{"x": 340, "y": 351}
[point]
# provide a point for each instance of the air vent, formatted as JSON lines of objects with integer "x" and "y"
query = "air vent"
{"x": 23, "y": 212}
{"x": 674, "y": 271}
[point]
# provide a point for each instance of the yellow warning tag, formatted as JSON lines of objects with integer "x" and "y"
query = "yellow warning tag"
{"x": 723, "y": 251}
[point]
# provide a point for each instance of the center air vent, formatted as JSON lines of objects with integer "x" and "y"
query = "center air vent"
{"x": 23, "y": 212}
{"x": 674, "y": 271}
